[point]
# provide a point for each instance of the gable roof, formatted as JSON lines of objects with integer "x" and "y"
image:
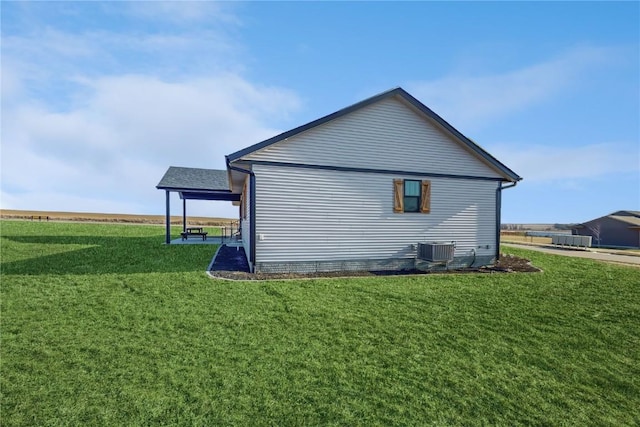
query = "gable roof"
{"x": 628, "y": 217}
{"x": 397, "y": 92}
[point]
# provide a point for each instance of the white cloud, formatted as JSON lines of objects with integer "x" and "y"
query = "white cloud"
{"x": 569, "y": 165}
{"x": 92, "y": 118}
{"x": 182, "y": 12}
{"x": 11, "y": 83}
{"x": 47, "y": 60}
{"x": 46, "y": 57}
{"x": 119, "y": 142}
{"x": 49, "y": 41}
{"x": 470, "y": 101}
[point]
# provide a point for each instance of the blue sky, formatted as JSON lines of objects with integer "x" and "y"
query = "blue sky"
{"x": 99, "y": 98}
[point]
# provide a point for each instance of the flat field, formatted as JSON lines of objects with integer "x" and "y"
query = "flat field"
{"x": 521, "y": 238}
{"x": 102, "y": 324}
{"x": 108, "y": 217}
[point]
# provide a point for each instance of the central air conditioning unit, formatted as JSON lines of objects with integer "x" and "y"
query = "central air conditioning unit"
{"x": 436, "y": 251}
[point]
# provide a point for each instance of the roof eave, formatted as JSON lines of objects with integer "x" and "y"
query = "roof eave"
{"x": 193, "y": 190}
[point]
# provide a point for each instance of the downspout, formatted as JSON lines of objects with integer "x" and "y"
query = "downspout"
{"x": 499, "y": 213}
{"x": 252, "y": 210}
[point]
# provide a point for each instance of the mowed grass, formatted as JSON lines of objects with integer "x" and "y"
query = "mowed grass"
{"x": 105, "y": 325}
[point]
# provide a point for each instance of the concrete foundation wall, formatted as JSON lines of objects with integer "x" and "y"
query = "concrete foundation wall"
{"x": 389, "y": 264}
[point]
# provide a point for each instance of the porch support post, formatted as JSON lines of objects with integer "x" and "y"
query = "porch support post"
{"x": 184, "y": 214}
{"x": 167, "y": 239}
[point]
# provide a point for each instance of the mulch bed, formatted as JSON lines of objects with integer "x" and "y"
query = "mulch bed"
{"x": 506, "y": 264}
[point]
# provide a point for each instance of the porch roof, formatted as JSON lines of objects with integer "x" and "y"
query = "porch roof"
{"x": 198, "y": 184}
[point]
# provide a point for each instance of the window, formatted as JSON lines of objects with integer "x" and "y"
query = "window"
{"x": 412, "y": 196}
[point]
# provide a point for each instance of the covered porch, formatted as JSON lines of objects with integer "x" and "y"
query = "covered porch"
{"x": 234, "y": 241}
{"x": 196, "y": 184}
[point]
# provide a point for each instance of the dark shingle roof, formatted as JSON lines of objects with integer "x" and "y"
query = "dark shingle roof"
{"x": 178, "y": 178}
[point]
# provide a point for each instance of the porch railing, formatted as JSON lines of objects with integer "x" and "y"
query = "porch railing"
{"x": 231, "y": 231}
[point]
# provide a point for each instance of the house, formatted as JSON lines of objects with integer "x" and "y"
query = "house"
{"x": 620, "y": 229}
{"x": 359, "y": 189}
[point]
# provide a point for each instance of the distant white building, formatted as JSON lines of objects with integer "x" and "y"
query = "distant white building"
{"x": 360, "y": 188}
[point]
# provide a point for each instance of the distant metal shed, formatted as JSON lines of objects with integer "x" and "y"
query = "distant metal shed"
{"x": 619, "y": 229}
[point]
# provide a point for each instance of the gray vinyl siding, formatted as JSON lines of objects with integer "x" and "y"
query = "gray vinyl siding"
{"x": 317, "y": 215}
{"x": 387, "y": 135}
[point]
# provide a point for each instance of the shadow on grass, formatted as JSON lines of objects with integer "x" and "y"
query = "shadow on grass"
{"x": 38, "y": 255}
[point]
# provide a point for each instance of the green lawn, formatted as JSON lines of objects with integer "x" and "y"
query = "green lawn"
{"x": 103, "y": 325}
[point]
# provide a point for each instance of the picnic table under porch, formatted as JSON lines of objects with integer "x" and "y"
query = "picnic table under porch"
{"x": 193, "y": 231}
{"x": 195, "y": 184}
{"x": 211, "y": 235}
